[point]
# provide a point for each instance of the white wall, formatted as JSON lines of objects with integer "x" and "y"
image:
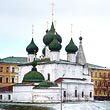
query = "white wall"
{"x": 22, "y": 93}
{"x": 5, "y": 97}
{"x": 46, "y": 95}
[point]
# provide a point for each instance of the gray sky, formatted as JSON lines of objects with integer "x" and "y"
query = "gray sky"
{"x": 91, "y": 17}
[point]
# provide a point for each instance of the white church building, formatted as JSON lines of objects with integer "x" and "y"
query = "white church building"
{"x": 50, "y": 78}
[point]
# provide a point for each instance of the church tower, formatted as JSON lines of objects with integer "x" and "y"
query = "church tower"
{"x": 71, "y": 50}
{"x": 80, "y": 58}
{"x": 32, "y": 49}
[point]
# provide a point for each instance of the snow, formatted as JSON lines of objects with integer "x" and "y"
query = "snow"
{"x": 103, "y": 105}
{"x": 96, "y": 105}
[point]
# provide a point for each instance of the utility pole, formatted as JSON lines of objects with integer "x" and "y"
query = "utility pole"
{"x": 61, "y": 94}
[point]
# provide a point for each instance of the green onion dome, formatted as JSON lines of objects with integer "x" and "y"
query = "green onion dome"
{"x": 55, "y": 45}
{"x": 59, "y": 37}
{"x": 32, "y": 48}
{"x": 71, "y": 47}
{"x": 48, "y": 38}
{"x": 47, "y": 84}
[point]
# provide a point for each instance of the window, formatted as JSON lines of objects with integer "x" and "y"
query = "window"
{"x": 95, "y": 92}
{"x": 104, "y": 92}
{"x": 100, "y": 74}
{"x": 75, "y": 93}
{"x": 1, "y": 69}
{"x": 48, "y": 77}
{"x": 0, "y": 96}
{"x": 104, "y": 75}
{"x": 91, "y": 74}
{"x": 99, "y": 83}
{"x": 7, "y": 80}
{"x": 82, "y": 94}
{"x": 12, "y": 80}
{"x": 108, "y": 75}
{"x": 90, "y": 94}
{"x": 104, "y": 83}
{"x": 7, "y": 69}
{"x": 0, "y": 79}
{"x": 95, "y": 83}
{"x": 64, "y": 94}
{"x": 95, "y": 74}
{"x": 9, "y": 97}
{"x": 13, "y": 69}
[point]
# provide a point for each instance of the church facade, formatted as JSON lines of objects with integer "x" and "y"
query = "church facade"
{"x": 50, "y": 78}
{"x": 71, "y": 75}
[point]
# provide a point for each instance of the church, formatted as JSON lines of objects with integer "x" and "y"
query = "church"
{"x": 50, "y": 78}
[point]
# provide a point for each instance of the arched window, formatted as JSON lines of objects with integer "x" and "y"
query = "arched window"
{"x": 13, "y": 69}
{"x": 0, "y": 79}
{"x": 0, "y": 96}
{"x": 7, "y": 69}
{"x": 76, "y": 93}
{"x": 64, "y": 94}
{"x": 7, "y": 80}
{"x": 1, "y": 69}
{"x": 48, "y": 76}
{"x": 90, "y": 94}
{"x": 82, "y": 94}
{"x": 9, "y": 97}
{"x": 12, "y": 80}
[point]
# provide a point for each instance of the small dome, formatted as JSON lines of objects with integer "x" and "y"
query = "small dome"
{"x": 32, "y": 48}
{"x": 80, "y": 38}
{"x": 47, "y": 84}
{"x": 48, "y": 38}
{"x": 71, "y": 47}
{"x": 33, "y": 76}
{"x": 55, "y": 45}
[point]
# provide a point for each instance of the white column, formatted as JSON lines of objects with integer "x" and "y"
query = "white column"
{"x": 54, "y": 56}
{"x": 30, "y": 57}
{"x": 71, "y": 57}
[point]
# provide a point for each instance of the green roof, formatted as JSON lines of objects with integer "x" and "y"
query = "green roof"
{"x": 47, "y": 84}
{"x": 33, "y": 76}
{"x": 71, "y": 47}
{"x": 95, "y": 66}
{"x": 55, "y": 45}
{"x": 15, "y": 60}
{"x": 32, "y": 48}
{"x": 48, "y": 38}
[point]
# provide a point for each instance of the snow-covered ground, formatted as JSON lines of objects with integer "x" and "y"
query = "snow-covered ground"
{"x": 96, "y": 105}
{"x": 102, "y": 105}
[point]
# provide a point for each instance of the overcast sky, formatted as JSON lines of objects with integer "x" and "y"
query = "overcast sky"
{"x": 91, "y": 17}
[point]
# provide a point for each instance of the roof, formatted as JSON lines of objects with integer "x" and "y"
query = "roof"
{"x": 95, "y": 66}
{"x": 14, "y": 60}
{"x": 32, "y": 48}
{"x": 47, "y": 61}
{"x": 33, "y": 76}
{"x": 71, "y": 47}
{"x": 46, "y": 84}
{"x": 59, "y": 80}
{"x": 6, "y": 89}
